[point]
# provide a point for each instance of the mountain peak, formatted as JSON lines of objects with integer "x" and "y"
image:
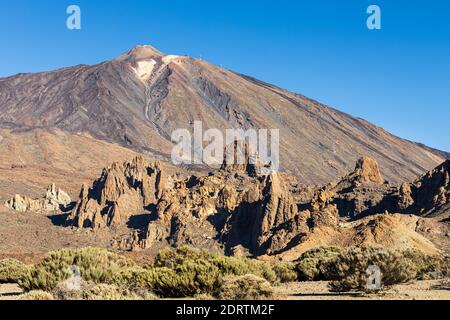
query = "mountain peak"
{"x": 141, "y": 52}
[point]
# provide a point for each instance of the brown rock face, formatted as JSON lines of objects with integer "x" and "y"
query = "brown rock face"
{"x": 53, "y": 201}
{"x": 362, "y": 192}
{"x": 431, "y": 193}
{"x": 122, "y": 191}
{"x": 405, "y": 198}
{"x": 367, "y": 171}
{"x": 240, "y": 212}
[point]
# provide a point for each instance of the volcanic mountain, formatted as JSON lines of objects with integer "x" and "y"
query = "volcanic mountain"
{"x": 138, "y": 99}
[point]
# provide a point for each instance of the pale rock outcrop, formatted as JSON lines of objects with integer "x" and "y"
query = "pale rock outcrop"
{"x": 53, "y": 201}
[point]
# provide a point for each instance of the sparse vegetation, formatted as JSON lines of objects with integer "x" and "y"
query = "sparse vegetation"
{"x": 12, "y": 270}
{"x": 311, "y": 265}
{"x": 96, "y": 291}
{"x": 247, "y": 287}
{"x": 173, "y": 258}
{"x": 187, "y": 279}
{"x": 428, "y": 267}
{"x": 107, "y": 292}
{"x": 187, "y": 272}
{"x": 285, "y": 272}
{"x": 95, "y": 265}
{"x": 350, "y": 268}
{"x": 37, "y": 295}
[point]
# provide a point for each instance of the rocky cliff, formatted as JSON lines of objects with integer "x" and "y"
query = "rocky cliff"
{"x": 235, "y": 210}
{"x": 122, "y": 190}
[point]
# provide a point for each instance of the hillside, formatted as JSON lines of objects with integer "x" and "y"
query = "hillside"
{"x": 140, "y": 98}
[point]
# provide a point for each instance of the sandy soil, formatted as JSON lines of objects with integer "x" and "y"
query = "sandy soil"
{"x": 419, "y": 290}
{"x": 9, "y": 292}
{"x": 29, "y": 235}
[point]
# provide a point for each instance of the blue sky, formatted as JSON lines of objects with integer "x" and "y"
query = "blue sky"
{"x": 397, "y": 78}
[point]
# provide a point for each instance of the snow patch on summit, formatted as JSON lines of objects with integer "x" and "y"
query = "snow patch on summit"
{"x": 168, "y": 59}
{"x": 144, "y": 69}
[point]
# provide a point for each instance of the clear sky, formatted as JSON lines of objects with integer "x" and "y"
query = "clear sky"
{"x": 397, "y": 77}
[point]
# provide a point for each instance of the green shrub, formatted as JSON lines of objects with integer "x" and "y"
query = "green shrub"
{"x": 185, "y": 280}
{"x": 107, "y": 292}
{"x": 247, "y": 287}
{"x": 95, "y": 265}
{"x": 63, "y": 292}
{"x": 95, "y": 291}
{"x": 350, "y": 268}
{"x": 427, "y": 266}
{"x": 187, "y": 272}
{"x": 242, "y": 266}
{"x": 172, "y": 258}
{"x": 37, "y": 295}
{"x": 135, "y": 278}
{"x": 310, "y": 266}
{"x": 11, "y": 271}
{"x": 285, "y": 272}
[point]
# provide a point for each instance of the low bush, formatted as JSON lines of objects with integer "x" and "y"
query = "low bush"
{"x": 350, "y": 268}
{"x": 37, "y": 295}
{"x": 242, "y": 266}
{"x": 311, "y": 265}
{"x": 444, "y": 284}
{"x": 103, "y": 291}
{"x": 95, "y": 265}
{"x": 185, "y": 280}
{"x": 247, "y": 287}
{"x": 187, "y": 272}
{"x": 428, "y": 267}
{"x": 11, "y": 271}
{"x": 173, "y": 258}
{"x": 286, "y": 272}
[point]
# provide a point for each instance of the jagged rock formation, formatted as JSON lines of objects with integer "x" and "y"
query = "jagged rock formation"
{"x": 123, "y": 190}
{"x": 237, "y": 210}
{"x": 430, "y": 194}
{"x": 360, "y": 193}
{"x": 364, "y": 192}
{"x": 54, "y": 200}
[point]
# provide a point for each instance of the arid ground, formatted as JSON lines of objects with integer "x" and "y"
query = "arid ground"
{"x": 420, "y": 290}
